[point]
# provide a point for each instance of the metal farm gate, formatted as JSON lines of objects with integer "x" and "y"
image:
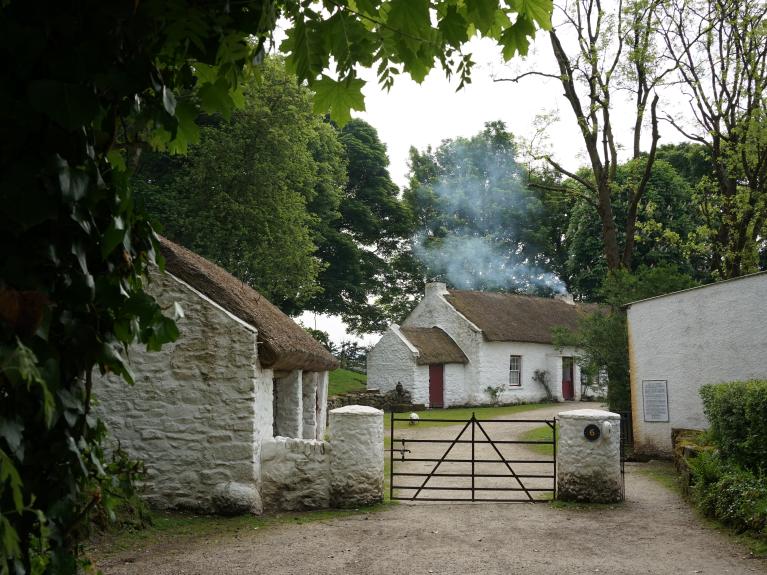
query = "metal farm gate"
{"x": 484, "y": 462}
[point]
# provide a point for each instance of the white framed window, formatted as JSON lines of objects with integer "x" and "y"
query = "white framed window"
{"x": 515, "y": 370}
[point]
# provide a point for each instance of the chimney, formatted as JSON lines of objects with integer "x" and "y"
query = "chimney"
{"x": 565, "y": 297}
{"x": 435, "y": 289}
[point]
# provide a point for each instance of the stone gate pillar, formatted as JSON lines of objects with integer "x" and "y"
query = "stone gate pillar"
{"x": 588, "y": 456}
{"x": 356, "y": 456}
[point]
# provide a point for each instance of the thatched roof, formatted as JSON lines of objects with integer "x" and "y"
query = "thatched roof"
{"x": 512, "y": 317}
{"x": 434, "y": 345}
{"x": 282, "y": 343}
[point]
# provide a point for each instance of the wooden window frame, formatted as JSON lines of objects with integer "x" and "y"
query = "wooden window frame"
{"x": 517, "y": 371}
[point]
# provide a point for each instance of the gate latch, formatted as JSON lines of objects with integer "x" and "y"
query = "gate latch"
{"x": 402, "y": 451}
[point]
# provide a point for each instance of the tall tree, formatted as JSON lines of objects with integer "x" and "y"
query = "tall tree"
{"x": 599, "y": 51}
{"x": 240, "y": 197}
{"x": 720, "y": 50}
{"x": 360, "y": 250}
{"x": 670, "y": 230}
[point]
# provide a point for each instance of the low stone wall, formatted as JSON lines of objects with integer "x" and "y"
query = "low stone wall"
{"x": 588, "y": 456}
{"x": 390, "y": 401}
{"x": 372, "y": 398}
{"x": 346, "y": 471}
{"x": 294, "y": 474}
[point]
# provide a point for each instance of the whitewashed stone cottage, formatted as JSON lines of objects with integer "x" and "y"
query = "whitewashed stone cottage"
{"x": 229, "y": 417}
{"x": 681, "y": 341}
{"x": 457, "y": 344}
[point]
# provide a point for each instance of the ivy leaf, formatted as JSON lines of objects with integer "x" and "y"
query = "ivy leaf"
{"x": 73, "y": 183}
{"x": 538, "y": 11}
{"x": 11, "y": 431}
{"x": 339, "y": 98}
{"x": 216, "y": 99}
{"x": 168, "y": 101}
{"x": 113, "y": 236}
{"x": 187, "y": 131}
{"x": 515, "y": 38}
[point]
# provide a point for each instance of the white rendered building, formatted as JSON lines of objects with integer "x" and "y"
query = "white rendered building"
{"x": 457, "y": 344}
{"x": 230, "y": 417}
{"x": 681, "y": 341}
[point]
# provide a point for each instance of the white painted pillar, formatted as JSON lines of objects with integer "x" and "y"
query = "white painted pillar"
{"x": 356, "y": 456}
{"x": 588, "y": 456}
{"x": 322, "y": 403}
{"x": 289, "y": 413}
{"x": 309, "y": 404}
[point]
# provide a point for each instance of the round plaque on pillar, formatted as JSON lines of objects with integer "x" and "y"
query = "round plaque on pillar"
{"x": 592, "y": 432}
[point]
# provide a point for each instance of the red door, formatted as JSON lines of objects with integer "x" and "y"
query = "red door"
{"x": 568, "y": 392}
{"x": 437, "y": 385}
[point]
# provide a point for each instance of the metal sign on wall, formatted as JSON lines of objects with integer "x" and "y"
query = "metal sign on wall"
{"x": 655, "y": 400}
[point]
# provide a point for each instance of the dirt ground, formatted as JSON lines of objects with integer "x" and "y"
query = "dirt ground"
{"x": 654, "y": 531}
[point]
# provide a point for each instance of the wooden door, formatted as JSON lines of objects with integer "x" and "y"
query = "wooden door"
{"x": 568, "y": 390}
{"x": 437, "y": 385}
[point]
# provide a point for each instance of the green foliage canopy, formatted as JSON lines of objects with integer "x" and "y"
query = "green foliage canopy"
{"x": 240, "y": 196}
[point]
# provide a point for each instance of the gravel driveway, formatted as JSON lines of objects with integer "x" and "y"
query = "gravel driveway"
{"x": 653, "y": 531}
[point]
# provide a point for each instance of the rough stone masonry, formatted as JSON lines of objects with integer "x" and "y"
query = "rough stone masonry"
{"x": 588, "y": 456}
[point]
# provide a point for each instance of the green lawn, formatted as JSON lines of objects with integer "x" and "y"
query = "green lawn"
{"x": 344, "y": 381}
{"x": 464, "y": 413}
{"x": 542, "y": 433}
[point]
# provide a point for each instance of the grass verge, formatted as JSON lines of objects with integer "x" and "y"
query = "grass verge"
{"x": 463, "y": 413}
{"x": 542, "y": 433}
{"x": 664, "y": 473}
{"x": 345, "y": 381}
{"x": 184, "y": 528}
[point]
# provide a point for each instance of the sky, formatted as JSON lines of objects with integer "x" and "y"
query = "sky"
{"x": 424, "y": 115}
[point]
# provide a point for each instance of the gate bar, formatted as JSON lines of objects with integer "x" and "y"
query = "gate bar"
{"x": 444, "y": 455}
{"x": 522, "y": 485}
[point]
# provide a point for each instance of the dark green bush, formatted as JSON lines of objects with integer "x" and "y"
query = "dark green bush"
{"x": 735, "y": 496}
{"x": 737, "y": 413}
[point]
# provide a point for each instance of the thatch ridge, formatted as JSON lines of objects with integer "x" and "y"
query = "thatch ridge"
{"x": 282, "y": 343}
{"x": 434, "y": 345}
{"x": 515, "y": 317}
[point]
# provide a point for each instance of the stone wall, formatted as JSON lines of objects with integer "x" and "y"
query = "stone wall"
{"x": 588, "y": 464}
{"x": 195, "y": 408}
{"x": 711, "y": 334}
{"x": 295, "y": 474}
{"x": 309, "y": 474}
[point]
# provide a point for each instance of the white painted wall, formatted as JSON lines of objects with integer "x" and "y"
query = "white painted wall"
{"x": 712, "y": 334}
{"x": 393, "y": 360}
{"x": 488, "y": 361}
{"x": 202, "y": 408}
{"x": 356, "y": 456}
{"x": 494, "y": 372}
{"x": 198, "y": 408}
{"x": 455, "y": 384}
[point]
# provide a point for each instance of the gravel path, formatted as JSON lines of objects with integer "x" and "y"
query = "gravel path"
{"x": 653, "y": 531}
